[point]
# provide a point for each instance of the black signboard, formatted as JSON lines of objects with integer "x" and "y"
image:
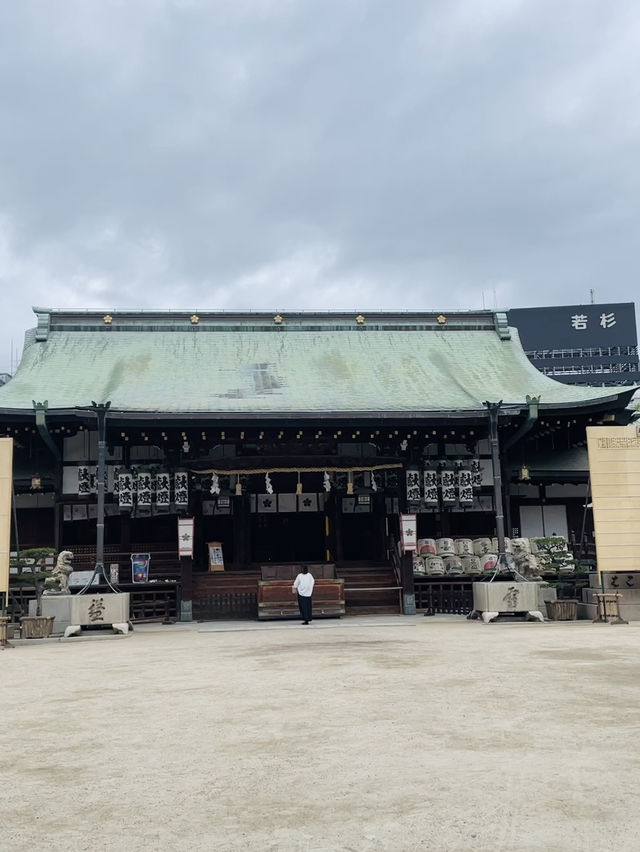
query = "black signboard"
{"x": 576, "y": 326}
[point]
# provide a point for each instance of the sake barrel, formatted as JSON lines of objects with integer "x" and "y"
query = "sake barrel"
{"x": 481, "y": 546}
{"x": 418, "y": 565}
{"x": 434, "y": 565}
{"x": 444, "y": 546}
{"x": 464, "y": 547}
{"x": 426, "y": 546}
{"x": 452, "y": 564}
{"x": 471, "y": 564}
{"x": 488, "y": 562}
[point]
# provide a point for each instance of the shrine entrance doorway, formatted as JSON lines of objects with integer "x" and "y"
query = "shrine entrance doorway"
{"x": 288, "y": 537}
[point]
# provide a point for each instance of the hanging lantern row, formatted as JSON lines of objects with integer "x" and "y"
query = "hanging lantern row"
{"x": 144, "y": 488}
{"x": 138, "y": 486}
{"x": 446, "y": 482}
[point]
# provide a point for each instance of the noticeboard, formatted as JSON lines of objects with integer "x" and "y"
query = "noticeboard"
{"x": 216, "y": 559}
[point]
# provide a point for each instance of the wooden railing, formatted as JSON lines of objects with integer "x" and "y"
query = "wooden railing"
{"x": 148, "y": 601}
{"x": 224, "y": 604}
{"x": 442, "y": 595}
{"x": 163, "y": 565}
{"x": 395, "y": 561}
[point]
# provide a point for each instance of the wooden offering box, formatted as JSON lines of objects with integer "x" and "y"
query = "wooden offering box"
{"x": 276, "y": 600}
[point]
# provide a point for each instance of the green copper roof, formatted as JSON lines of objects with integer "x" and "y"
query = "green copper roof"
{"x": 255, "y": 364}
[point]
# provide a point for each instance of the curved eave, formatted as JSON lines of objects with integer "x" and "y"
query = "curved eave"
{"x": 617, "y": 401}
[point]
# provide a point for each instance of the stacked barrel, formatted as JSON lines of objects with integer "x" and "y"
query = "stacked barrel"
{"x": 437, "y": 557}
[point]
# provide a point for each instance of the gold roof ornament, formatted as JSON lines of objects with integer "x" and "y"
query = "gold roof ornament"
{"x": 195, "y": 319}
{"x": 107, "y": 319}
{"x": 277, "y": 319}
{"x": 442, "y": 319}
{"x": 360, "y": 319}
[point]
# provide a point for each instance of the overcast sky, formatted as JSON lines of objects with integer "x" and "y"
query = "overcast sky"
{"x": 287, "y": 154}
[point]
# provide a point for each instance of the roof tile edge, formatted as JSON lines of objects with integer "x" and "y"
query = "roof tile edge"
{"x": 174, "y": 320}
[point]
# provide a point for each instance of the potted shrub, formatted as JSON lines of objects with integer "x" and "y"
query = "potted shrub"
{"x": 33, "y": 572}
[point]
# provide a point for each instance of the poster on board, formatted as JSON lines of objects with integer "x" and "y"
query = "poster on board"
{"x": 140, "y": 567}
{"x": 216, "y": 560}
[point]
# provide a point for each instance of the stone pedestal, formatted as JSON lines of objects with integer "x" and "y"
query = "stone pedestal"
{"x": 98, "y": 610}
{"x": 56, "y": 606}
{"x": 546, "y": 594}
{"x": 493, "y": 599}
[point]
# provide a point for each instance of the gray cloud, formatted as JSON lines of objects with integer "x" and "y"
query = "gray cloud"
{"x": 292, "y": 154}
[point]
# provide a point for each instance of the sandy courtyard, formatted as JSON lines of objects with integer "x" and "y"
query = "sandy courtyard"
{"x": 360, "y": 734}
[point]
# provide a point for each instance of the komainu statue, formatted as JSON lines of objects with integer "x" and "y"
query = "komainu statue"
{"x": 58, "y": 582}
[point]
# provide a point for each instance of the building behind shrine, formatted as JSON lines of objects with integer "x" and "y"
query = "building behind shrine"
{"x": 288, "y": 438}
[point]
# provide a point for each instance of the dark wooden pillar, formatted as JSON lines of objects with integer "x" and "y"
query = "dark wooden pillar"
{"x": 330, "y": 538}
{"x": 186, "y": 588}
{"x": 337, "y": 526}
{"x": 494, "y": 413}
{"x": 406, "y": 564}
{"x": 241, "y": 532}
{"x": 58, "y": 518}
{"x": 381, "y": 531}
{"x": 125, "y": 532}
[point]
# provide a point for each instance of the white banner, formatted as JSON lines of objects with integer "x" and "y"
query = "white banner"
{"x": 409, "y": 532}
{"x": 185, "y": 537}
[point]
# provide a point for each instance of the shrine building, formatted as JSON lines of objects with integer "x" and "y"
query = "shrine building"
{"x": 289, "y": 439}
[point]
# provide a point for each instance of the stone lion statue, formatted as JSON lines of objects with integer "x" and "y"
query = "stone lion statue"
{"x": 58, "y": 582}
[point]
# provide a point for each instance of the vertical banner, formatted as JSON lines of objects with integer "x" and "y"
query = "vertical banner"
{"x": 408, "y": 532}
{"x": 181, "y": 488}
{"x": 413, "y": 486}
{"x": 6, "y": 481}
{"x": 465, "y": 487}
{"x": 430, "y": 479}
{"x": 140, "y": 567}
{"x": 113, "y": 473}
{"x": 163, "y": 490}
{"x": 448, "y": 484}
{"x": 84, "y": 480}
{"x": 144, "y": 489}
{"x": 185, "y": 537}
{"x": 476, "y": 473}
{"x": 125, "y": 490}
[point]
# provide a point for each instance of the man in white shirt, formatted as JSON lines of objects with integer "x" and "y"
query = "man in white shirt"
{"x": 303, "y": 585}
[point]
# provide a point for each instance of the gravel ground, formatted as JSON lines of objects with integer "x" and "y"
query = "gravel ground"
{"x": 360, "y": 734}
